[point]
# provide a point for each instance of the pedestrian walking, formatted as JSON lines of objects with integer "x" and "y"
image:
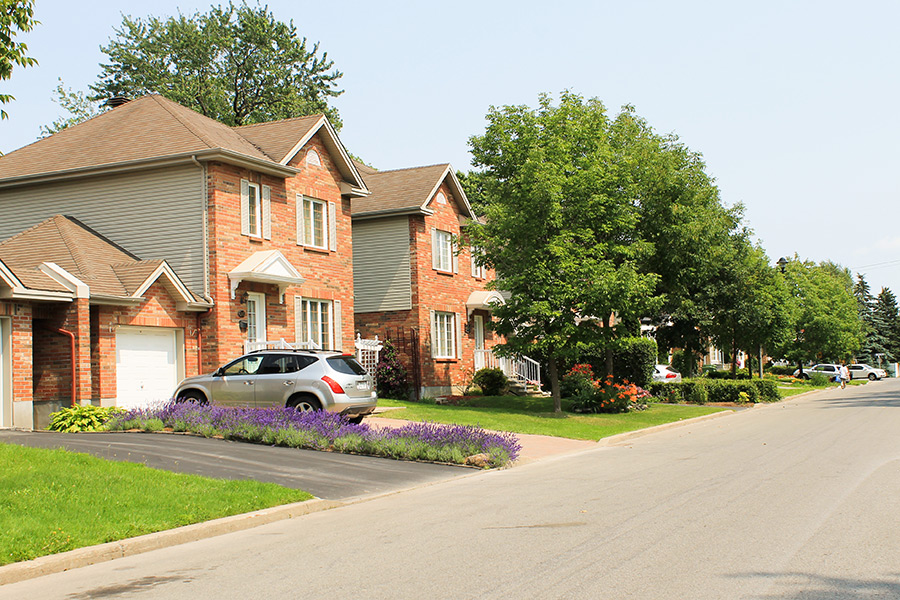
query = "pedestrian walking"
{"x": 845, "y": 375}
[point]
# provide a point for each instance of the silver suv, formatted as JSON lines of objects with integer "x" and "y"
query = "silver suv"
{"x": 831, "y": 370}
{"x": 301, "y": 379}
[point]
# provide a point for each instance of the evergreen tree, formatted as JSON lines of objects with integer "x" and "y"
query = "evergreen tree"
{"x": 873, "y": 337}
{"x": 887, "y": 320}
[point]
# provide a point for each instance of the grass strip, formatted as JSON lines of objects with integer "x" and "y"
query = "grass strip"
{"x": 53, "y": 500}
{"x": 535, "y": 415}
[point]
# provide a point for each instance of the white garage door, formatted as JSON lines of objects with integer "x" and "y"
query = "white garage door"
{"x": 146, "y": 366}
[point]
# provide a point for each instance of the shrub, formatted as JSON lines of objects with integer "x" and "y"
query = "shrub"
{"x": 819, "y": 380}
{"x": 634, "y": 359}
{"x": 768, "y": 390}
{"x": 694, "y": 391}
{"x": 780, "y": 370}
{"x": 492, "y": 382}
{"x": 578, "y": 381}
{"x": 85, "y": 417}
{"x": 726, "y": 374}
{"x": 673, "y": 393}
{"x": 731, "y": 391}
{"x": 390, "y": 374}
{"x": 611, "y": 397}
{"x": 683, "y": 362}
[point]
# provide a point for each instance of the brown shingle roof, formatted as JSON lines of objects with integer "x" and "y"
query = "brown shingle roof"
{"x": 147, "y": 128}
{"x": 399, "y": 190}
{"x": 106, "y": 268}
{"x": 278, "y": 138}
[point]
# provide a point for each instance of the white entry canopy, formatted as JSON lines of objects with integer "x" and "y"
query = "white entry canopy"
{"x": 483, "y": 300}
{"x": 266, "y": 266}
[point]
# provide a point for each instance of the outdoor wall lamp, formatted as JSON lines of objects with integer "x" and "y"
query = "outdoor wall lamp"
{"x": 782, "y": 263}
{"x": 243, "y": 325}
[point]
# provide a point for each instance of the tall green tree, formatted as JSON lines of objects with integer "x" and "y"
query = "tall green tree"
{"x": 560, "y": 230}
{"x": 825, "y": 322}
{"x": 690, "y": 231}
{"x": 874, "y": 341}
{"x": 79, "y": 107}
{"x": 886, "y": 320}
{"x": 16, "y": 16}
{"x": 747, "y": 303}
{"x": 235, "y": 64}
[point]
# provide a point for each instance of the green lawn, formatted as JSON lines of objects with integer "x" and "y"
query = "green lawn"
{"x": 535, "y": 415}
{"x": 52, "y": 500}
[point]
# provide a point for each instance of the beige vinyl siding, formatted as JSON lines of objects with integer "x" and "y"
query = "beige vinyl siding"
{"x": 381, "y": 271}
{"x": 154, "y": 214}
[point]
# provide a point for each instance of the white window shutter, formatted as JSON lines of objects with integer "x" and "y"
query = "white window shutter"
{"x": 455, "y": 257}
{"x": 459, "y": 337}
{"x": 435, "y": 249}
{"x": 267, "y": 212}
{"x": 301, "y": 223}
{"x": 434, "y": 348}
{"x": 298, "y": 310}
{"x": 245, "y": 207}
{"x": 332, "y": 227}
{"x": 338, "y": 337}
{"x": 474, "y": 266}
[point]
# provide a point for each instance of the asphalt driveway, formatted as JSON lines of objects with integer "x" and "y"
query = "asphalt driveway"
{"x": 327, "y": 475}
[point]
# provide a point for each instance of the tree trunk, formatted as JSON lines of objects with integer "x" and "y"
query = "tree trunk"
{"x": 608, "y": 365}
{"x": 733, "y": 358}
{"x": 554, "y": 386}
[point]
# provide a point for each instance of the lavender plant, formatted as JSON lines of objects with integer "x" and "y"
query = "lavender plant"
{"x": 321, "y": 430}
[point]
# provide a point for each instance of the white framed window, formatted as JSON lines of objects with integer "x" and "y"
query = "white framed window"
{"x": 443, "y": 334}
{"x": 441, "y": 198}
{"x": 443, "y": 251}
{"x": 315, "y": 323}
{"x": 256, "y": 219}
{"x": 316, "y": 223}
{"x": 478, "y": 271}
{"x": 256, "y": 317}
{"x": 312, "y": 158}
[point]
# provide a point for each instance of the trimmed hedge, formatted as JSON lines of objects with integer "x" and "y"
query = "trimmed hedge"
{"x": 634, "y": 360}
{"x": 700, "y": 391}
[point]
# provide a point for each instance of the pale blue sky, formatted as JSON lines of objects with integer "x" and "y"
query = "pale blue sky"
{"x": 794, "y": 105}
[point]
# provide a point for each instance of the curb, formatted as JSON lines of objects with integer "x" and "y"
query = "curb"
{"x": 628, "y": 435}
{"x": 82, "y": 557}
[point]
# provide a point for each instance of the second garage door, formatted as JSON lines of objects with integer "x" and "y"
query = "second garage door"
{"x": 146, "y": 366}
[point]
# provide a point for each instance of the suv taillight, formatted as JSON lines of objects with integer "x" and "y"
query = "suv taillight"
{"x": 334, "y": 385}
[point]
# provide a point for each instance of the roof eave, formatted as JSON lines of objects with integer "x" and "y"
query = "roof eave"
{"x": 391, "y": 212}
{"x": 231, "y": 157}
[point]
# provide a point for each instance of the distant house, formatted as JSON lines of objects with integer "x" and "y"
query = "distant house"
{"x": 158, "y": 243}
{"x": 415, "y": 280}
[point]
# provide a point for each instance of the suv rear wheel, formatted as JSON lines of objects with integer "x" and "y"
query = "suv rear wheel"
{"x": 304, "y": 403}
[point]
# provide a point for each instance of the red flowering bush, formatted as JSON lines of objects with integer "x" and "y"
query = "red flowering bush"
{"x": 611, "y": 397}
{"x": 578, "y": 381}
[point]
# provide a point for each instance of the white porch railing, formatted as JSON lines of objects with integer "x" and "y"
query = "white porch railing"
{"x": 519, "y": 367}
{"x": 280, "y": 344}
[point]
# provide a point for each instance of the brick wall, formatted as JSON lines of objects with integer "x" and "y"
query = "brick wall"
{"x": 21, "y": 342}
{"x": 328, "y": 275}
{"x": 440, "y": 291}
{"x": 52, "y": 353}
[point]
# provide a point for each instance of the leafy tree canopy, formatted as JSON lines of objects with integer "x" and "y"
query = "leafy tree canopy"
{"x": 234, "y": 64}
{"x": 560, "y": 229}
{"x": 16, "y": 16}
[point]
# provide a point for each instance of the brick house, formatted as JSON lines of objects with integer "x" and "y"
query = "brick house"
{"x": 177, "y": 243}
{"x": 412, "y": 281}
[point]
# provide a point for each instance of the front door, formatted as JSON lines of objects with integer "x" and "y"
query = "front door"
{"x": 480, "y": 363}
{"x": 256, "y": 317}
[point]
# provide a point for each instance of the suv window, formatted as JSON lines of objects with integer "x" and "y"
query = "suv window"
{"x": 276, "y": 364}
{"x": 825, "y": 368}
{"x": 346, "y": 365}
{"x": 247, "y": 365}
{"x": 856, "y": 367}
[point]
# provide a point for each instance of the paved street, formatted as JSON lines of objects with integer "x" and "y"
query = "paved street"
{"x": 797, "y": 500}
